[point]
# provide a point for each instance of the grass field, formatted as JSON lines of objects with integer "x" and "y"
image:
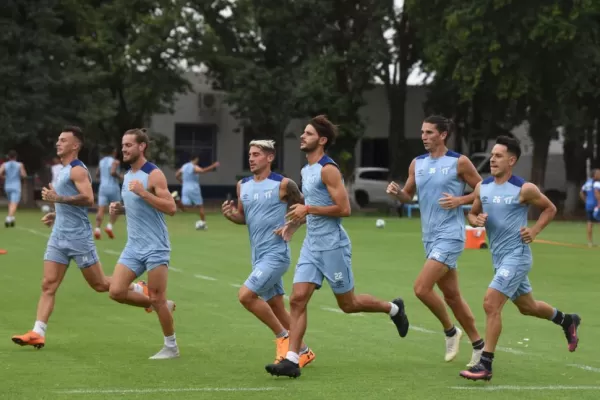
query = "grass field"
{"x": 98, "y": 349}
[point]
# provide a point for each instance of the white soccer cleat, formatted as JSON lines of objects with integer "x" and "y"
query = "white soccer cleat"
{"x": 165, "y": 353}
{"x": 475, "y": 358}
{"x": 452, "y": 345}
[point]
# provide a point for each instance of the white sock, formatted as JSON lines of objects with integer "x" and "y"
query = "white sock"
{"x": 293, "y": 357}
{"x": 98, "y": 229}
{"x": 170, "y": 341}
{"x": 138, "y": 288}
{"x": 40, "y": 328}
{"x": 109, "y": 227}
{"x": 394, "y": 310}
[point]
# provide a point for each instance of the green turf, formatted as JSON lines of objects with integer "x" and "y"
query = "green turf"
{"x": 94, "y": 344}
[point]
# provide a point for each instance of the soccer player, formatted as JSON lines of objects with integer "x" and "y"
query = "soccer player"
{"x": 439, "y": 177}
{"x": 12, "y": 171}
{"x": 71, "y": 237}
{"x": 501, "y": 204}
{"x": 191, "y": 194}
{"x": 590, "y": 194}
{"x": 108, "y": 191}
{"x": 263, "y": 201}
{"x": 326, "y": 252}
{"x": 55, "y": 169}
{"x": 146, "y": 199}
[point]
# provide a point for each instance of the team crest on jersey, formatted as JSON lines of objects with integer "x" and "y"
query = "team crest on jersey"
{"x": 484, "y": 200}
{"x": 420, "y": 172}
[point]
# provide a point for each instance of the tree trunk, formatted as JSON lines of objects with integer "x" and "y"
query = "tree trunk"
{"x": 539, "y": 130}
{"x": 396, "y": 96}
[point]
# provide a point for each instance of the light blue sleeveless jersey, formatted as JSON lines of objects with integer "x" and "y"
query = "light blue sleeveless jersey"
{"x": 71, "y": 221}
{"x": 107, "y": 181}
{"x": 12, "y": 175}
{"x": 433, "y": 177}
{"x": 506, "y": 216}
{"x": 146, "y": 226}
{"x": 264, "y": 212}
{"x": 189, "y": 178}
{"x": 322, "y": 233}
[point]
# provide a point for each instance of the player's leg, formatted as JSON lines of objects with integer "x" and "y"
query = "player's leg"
{"x": 590, "y": 227}
{"x": 448, "y": 284}
{"x": 14, "y": 197}
{"x": 527, "y": 305}
{"x": 157, "y": 289}
{"x": 55, "y": 268}
{"x": 102, "y": 205}
{"x": 510, "y": 274}
{"x": 307, "y": 278}
{"x": 121, "y": 289}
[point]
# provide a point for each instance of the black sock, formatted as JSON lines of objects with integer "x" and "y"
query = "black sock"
{"x": 486, "y": 360}
{"x": 562, "y": 319}
{"x": 478, "y": 345}
{"x": 451, "y": 332}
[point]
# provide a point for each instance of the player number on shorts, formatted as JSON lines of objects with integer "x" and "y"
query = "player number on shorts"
{"x": 338, "y": 276}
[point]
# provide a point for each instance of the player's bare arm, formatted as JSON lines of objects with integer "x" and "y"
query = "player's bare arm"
{"x": 116, "y": 208}
{"x": 178, "y": 175}
{"x": 157, "y": 195}
{"x": 23, "y": 172}
{"x": 48, "y": 219}
{"x": 113, "y": 168}
{"x": 233, "y": 213}
{"x": 468, "y": 173}
{"x": 406, "y": 194}
{"x": 476, "y": 217}
{"x": 200, "y": 170}
{"x": 531, "y": 194}
{"x": 81, "y": 180}
{"x": 2, "y": 171}
{"x": 290, "y": 192}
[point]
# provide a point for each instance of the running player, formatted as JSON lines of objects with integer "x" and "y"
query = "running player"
{"x": 590, "y": 194}
{"x": 191, "y": 193}
{"x": 12, "y": 171}
{"x": 501, "y": 204}
{"x": 71, "y": 237}
{"x": 146, "y": 199}
{"x": 108, "y": 191}
{"x": 262, "y": 205}
{"x": 326, "y": 252}
{"x": 439, "y": 177}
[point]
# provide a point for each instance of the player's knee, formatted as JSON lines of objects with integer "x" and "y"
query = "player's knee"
{"x": 49, "y": 286}
{"x": 100, "y": 287}
{"x": 117, "y": 294}
{"x": 490, "y": 307}
{"x": 421, "y": 291}
{"x": 246, "y": 296}
{"x": 299, "y": 300}
{"x": 157, "y": 299}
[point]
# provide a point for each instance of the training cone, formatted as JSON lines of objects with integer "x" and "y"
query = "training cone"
{"x": 2, "y": 251}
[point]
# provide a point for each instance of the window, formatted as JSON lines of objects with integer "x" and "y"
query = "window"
{"x": 374, "y": 153}
{"x": 250, "y": 135}
{"x": 195, "y": 140}
{"x": 375, "y": 175}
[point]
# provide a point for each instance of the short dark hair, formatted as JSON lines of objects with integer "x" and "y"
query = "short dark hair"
{"x": 76, "y": 131}
{"x": 12, "y": 154}
{"x": 141, "y": 136}
{"x": 325, "y": 128}
{"x": 442, "y": 124}
{"x": 512, "y": 144}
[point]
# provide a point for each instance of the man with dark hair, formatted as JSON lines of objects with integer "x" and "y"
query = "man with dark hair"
{"x": 12, "y": 171}
{"x": 439, "y": 177}
{"x": 326, "y": 252}
{"x": 71, "y": 237}
{"x": 191, "y": 193}
{"x": 501, "y": 205}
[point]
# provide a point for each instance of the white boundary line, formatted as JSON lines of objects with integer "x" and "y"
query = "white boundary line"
{"x": 522, "y": 388}
{"x": 584, "y": 367}
{"x": 112, "y": 252}
{"x": 164, "y": 390}
{"x": 206, "y": 278}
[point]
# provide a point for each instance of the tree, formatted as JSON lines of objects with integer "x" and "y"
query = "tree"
{"x": 40, "y": 79}
{"x": 519, "y": 51}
